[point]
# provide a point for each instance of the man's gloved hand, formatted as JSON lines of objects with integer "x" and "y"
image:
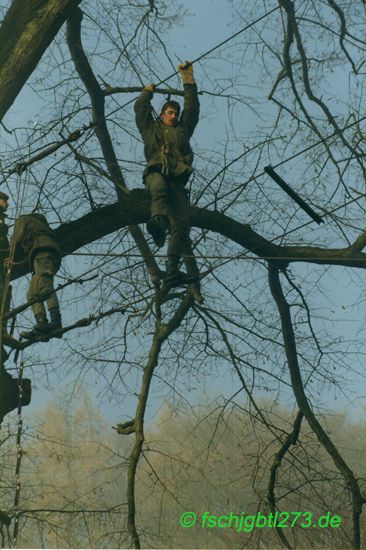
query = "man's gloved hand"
{"x": 150, "y": 87}
{"x": 186, "y": 72}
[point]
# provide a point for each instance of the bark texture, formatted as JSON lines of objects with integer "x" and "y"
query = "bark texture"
{"x": 26, "y": 32}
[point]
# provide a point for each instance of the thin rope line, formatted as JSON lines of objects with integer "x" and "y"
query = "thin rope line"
{"x": 225, "y": 41}
{"x": 301, "y": 152}
{"x": 19, "y": 456}
{"x": 18, "y": 208}
{"x": 240, "y": 256}
{"x": 207, "y": 52}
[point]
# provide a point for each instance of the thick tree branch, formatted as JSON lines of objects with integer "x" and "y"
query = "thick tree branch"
{"x": 58, "y": 333}
{"x": 161, "y": 334}
{"x": 98, "y": 109}
{"x": 97, "y": 99}
{"x": 135, "y": 210}
{"x": 26, "y": 32}
{"x": 291, "y": 439}
{"x": 110, "y": 90}
{"x": 342, "y": 32}
{"x": 292, "y": 23}
{"x": 304, "y": 405}
{"x": 49, "y": 150}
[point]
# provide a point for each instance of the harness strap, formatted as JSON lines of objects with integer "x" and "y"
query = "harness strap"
{"x": 164, "y": 159}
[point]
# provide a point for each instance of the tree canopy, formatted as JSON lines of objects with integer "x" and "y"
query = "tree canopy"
{"x": 282, "y": 88}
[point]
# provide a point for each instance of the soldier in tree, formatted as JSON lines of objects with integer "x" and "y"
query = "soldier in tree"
{"x": 34, "y": 237}
{"x": 169, "y": 165}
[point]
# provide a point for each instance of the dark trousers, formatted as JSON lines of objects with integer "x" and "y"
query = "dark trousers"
{"x": 44, "y": 269}
{"x": 169, "y": 198}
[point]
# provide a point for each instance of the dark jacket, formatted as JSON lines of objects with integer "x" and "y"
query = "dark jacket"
{"x": 155, "y": 134}
{"x": 32, "y": 234}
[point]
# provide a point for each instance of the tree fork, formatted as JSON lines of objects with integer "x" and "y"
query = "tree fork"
{"x": 304, "y": 406}
{"x": 291, "y": 439}
{"x": 98, "y": 111}
{"x": 135, "y": 210}
{"x": 161, "y": 334}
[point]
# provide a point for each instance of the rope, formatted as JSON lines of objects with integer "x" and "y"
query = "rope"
{"x": 295, "y": 155}
{"x": 225, "y": 41}
{"x": 19, "y": 309}
{"x": 210, "y": 50}
{"x": 18, "y": 207}
{"x": 253, "y": 178}
{"x": 283, "y": 161}
{"x": 245, "y": 256}
{"x": 19, "y": 458}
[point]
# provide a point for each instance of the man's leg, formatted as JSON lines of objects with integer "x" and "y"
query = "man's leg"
{"x": 41, "y": 283}
{"x": 180, "y": 244}
{"x": 178, "y": 217}
{"x": 157, "y": 226}
{"x": 38, "y": 308}
{"x": 52, "y": 301}
{"x": 192, "y": 272}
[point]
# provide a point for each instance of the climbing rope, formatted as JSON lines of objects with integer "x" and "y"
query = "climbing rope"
{"x": 226, "y": 41}
{"x": 19, "y": 457}
{"x": 252, "y": 24}
{"x": 18, "y": 207}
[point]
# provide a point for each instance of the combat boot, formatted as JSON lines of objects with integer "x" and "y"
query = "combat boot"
{"x": 157, "y": 227}
{"x": 175, "y": 278}
{"x": 55, "y": 322}
{"x": 40, "y": 328}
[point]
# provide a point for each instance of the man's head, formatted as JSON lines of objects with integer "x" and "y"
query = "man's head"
{"x": 170, "y": 113}
{"x": 3, "y": 201}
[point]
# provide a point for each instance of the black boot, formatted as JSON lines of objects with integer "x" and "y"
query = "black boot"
{"x": 157, "y": 227}
{"x": 55, "y": 322}
{"x": 40, "y": 328}
{"x": 175, "y": 278}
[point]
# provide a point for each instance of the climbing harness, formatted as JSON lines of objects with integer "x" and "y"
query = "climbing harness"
{"x": 164, "y": 159}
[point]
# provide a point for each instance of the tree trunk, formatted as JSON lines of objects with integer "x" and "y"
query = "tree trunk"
{"x": 26, "y": 31}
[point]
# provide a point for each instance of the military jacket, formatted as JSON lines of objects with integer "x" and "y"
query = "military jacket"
{"x": 175, "y": 140}
{"x": 31, "y": 235}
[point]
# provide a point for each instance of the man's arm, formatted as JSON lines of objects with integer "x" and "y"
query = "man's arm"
{"x": 191, "y": 110}
{"x": 143, "y": 108}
